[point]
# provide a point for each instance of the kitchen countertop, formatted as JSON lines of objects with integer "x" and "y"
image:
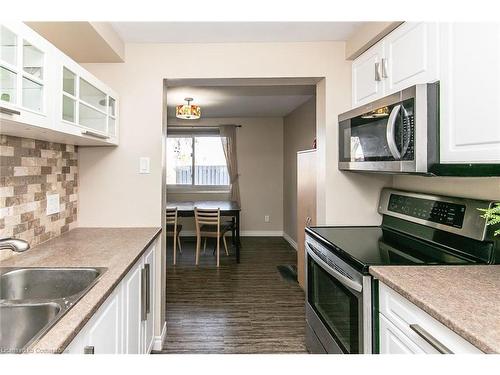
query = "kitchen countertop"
{"x": 466, "y": 299}
{"x": 117, "y": 249}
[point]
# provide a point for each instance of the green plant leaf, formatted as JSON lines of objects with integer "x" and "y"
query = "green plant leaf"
{"x": 492, "y": 216}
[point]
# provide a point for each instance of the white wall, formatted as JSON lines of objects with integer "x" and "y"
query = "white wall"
{"x": 112, "y": 193}
{"x": 260, "y": 163}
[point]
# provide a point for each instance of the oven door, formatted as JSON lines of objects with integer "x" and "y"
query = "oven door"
{"x": 334, "y": 308}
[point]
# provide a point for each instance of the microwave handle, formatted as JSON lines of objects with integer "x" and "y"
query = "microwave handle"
{"x": 343, "y": 279}
{"x": 391, "y": 137}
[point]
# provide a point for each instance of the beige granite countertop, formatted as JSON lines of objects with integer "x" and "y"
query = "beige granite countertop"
{"x": 466, "y": 299}
{"x": 117, "y": 249}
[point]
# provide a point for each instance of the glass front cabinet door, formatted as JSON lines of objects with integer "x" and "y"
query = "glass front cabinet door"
{"x": 86, "y": 107}
{"x": 44, "y": 94}
{"x": 25, "y": 76}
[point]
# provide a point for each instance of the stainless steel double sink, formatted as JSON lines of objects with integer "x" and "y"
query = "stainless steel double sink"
{"x": 32, "y": 300}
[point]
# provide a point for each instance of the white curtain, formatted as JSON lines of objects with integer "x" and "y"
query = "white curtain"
{"x": 228, "y": 139}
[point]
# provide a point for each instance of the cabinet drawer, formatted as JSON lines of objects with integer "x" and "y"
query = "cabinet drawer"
{"x": 402, "y": 313}
{"x": 393, "y": 341}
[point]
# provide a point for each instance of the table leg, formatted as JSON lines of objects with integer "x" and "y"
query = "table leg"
{"x": 238, "y": 243}
{"x": 233, "y": 230}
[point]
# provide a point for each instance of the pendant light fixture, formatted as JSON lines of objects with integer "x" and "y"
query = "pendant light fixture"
{"x": 188, "y": 111}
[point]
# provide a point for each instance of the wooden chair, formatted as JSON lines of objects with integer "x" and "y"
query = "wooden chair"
{"x": 228, "y": 225}
{"x": 174, "y": 229}
{"x": 208, "y": 225}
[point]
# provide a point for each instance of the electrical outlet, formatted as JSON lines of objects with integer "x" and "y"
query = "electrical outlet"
{"x": 53, "y": 206}
{"x": 267, "y": 219}
{"x": 144, "y": 163}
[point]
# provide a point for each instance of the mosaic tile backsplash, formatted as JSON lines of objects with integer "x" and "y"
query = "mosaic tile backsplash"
{"x": 30, "y": 170}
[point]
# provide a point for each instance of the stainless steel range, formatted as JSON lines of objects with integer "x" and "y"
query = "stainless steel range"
{"x": 416, "y": 229}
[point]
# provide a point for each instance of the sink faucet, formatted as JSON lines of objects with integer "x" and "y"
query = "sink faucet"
{"x": 14, "y": 244}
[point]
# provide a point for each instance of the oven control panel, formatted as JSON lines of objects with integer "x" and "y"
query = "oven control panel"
{"x": 440, "y": 212}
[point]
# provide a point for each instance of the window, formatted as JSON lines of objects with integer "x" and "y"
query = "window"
{"x": 196, "y": 161}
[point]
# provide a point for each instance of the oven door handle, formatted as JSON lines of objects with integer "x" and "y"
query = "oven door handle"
{"x": 343, "y": 279}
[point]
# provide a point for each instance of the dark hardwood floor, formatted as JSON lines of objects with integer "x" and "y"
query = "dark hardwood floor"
{"x": 238, "y": 308}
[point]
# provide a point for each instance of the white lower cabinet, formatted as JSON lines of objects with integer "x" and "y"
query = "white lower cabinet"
{"x": 407, "y": 329}
{"x": 393, "y": 341}
{"x": 132, "y": 306}
{"x": 105, "y": 333}
{"x": 148, "y": 324}
{"x": 125, "y": 321}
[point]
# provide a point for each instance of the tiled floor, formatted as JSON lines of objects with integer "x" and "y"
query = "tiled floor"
{"x": 238, "y": 308}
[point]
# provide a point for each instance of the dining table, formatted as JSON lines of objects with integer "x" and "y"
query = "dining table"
{"x": 227, "y": 209}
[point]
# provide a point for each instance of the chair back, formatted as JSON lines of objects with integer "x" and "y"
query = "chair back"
{"x": 205, "y": 216}
{"x": 171, "y": 218}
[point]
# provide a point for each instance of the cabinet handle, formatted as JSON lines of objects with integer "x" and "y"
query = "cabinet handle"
{"x": 88, "y": 350}
{"x": 9, "y": 111}
{"x": 94, "y": 134}
{"x": 377, "y": 72}
{"x": 143, "y": 294}
{"x": 147, "y": 268}
{"x": 431, "y": 340}
{"x": 384, "y": 68}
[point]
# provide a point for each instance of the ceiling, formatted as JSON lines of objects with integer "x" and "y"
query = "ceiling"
{"x": 226, "y": 32}
{"x": 85, "y": 42}
{"x": 241, "y": 101}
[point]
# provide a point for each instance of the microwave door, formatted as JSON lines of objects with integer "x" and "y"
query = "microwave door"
{"x": 369, "y": 142}
{"x": 379, "y": 143}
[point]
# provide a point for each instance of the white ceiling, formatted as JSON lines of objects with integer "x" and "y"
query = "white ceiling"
{"x": 226, "y": 32}
{"x": 241, "y": 101}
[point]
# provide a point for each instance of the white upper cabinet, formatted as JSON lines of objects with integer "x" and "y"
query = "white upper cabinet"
{"x": 367, "y": 83}
{"x": 411, "y": 55}
{"x": 26, "y": 76}
{"x": 470, "y": 92}
{"x": 85, "y": 106}
{"x": 465, "y": 58}
{"x": 405, "y": 57}
{"x": 46, "y": 95}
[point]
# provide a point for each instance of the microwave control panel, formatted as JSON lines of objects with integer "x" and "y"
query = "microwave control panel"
{"x": 439, "y": 212}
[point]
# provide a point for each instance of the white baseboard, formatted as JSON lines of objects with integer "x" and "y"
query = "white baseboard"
{"x": 244, "y": 233}
{"x": 158, "y": 340}
{"x": 290, "y": 241}
{"x": 262, "y": 233}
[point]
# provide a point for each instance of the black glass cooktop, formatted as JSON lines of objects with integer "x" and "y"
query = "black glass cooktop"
{"x": 369, "y": 246}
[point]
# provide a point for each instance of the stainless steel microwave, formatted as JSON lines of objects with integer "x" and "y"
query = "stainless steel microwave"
{"x": 395, "y": 134}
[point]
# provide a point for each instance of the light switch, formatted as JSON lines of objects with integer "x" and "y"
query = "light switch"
{"x": 53, "y": 206}
{"x": 144, "y": 165}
